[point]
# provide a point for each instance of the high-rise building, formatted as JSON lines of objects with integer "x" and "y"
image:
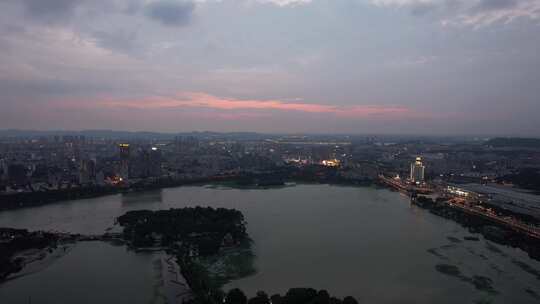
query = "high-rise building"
{"x": 417, "y": 171}
{"x": 87, "y": 171}
{"x": 124, "y": 161}
{"x": 3, "y": 169}
{"x": 147, "y": 164}
{"x": 155, "y": 162}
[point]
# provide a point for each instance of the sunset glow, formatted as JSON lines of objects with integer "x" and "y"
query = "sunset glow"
{"x": 202, "y": 100}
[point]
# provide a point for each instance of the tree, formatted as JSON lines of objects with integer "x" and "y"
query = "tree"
{"x": 261, "y": 298}
{"x": 276, "y": 299}
{"x": 300, "y": 295}
{"x": 235, "y": 296}
{"x": 323, "y": 297}
{"x": 350, "y": 300}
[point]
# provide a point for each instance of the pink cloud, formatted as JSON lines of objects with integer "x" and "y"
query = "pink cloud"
{"x": 207, "y": 101}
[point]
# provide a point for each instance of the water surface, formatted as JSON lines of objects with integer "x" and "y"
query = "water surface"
{"x": 92, "y": 272}
{"x": 366, "y": 242}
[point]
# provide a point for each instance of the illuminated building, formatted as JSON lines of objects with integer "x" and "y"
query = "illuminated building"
{"x": 124, "y": 161}
{"x": 458, "y": 191}
{"x": 417, "y": 171}
{"x": 331, "y": 163}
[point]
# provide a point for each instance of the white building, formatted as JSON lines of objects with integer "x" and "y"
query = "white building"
{"x": 417, "y": 171}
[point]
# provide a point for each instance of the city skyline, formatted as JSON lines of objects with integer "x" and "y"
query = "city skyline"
{"x": 427, "y": 67}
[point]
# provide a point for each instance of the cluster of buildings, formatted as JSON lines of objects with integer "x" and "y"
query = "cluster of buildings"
{"x": 47, "y": 164}
{"x": 56, "y": 162}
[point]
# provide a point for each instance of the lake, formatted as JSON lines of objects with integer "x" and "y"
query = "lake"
{"x": 366, "y": 242}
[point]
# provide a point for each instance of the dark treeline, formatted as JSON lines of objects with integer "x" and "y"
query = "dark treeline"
{"x": 293, "y": 296}
{"x": 314, "y": 173}
{"x": 203, "y": 230}
{"x": 38, "y": 198}
{"x": 188, "y": 233}
{"x": 13, "y": 241}
{"x": 43, "y": 197}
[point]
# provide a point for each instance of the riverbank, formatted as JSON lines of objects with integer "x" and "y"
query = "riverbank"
{"x": 23, "y": 252}
{"x": 248, "y": 181}
{"x": 40, "y": 198}
{"x": 491, "y": 230}
{"x": 34, "y": 261}
{"x": 171, "y": 284}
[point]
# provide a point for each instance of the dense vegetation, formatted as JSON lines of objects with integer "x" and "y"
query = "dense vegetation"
{"x": 38, "y": 198}
{"x": 193, "y": 235}
{"x": 13, "y": 241}
{"x": 293, "y": 296}
{"x": 200, "y": 230}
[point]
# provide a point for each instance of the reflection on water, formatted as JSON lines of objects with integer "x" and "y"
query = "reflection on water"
{"x": 91, "y": 273}
{"x": 366, "y": 242}
{"x": 230, "y": 264}
{"x": 142, "y": 197}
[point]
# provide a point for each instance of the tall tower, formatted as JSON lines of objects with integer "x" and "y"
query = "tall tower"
{"x": 417, "y": 171}
{"x": 124, "y": 161}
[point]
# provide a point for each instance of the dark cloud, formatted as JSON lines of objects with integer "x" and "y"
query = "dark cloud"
{"x": 171, "y": 13}
{"x": 50, "y": 11}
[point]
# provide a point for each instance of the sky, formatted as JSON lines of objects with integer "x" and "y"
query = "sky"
{"x": 438, "y": 67}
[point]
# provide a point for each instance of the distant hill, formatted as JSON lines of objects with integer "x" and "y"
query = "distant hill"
{"x": 514, "y": 142}
{"x": 112, "y": 134}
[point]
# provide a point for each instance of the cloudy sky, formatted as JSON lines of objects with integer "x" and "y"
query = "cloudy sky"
{"x": 332, "y": 66}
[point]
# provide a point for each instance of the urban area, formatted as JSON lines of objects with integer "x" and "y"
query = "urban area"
{"x": 489, "y": 185}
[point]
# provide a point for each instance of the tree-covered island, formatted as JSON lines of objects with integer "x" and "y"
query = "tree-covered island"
{"x": 202, "y": 238}
{"x": 192, "y": 231}
{"x": 211, "y": 245}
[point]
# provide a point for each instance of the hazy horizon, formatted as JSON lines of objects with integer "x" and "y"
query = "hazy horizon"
{"x": 292, "y": 133}
{"x": 411, "y": 67}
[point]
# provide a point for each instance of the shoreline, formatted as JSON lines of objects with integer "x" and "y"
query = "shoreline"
{"x": 37, "y": 260}
{"x": 323, "y": 187}
{"x": 30, "y": 200}
{"x": 174, "y": 287}
{"x": 490, "y": 230}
